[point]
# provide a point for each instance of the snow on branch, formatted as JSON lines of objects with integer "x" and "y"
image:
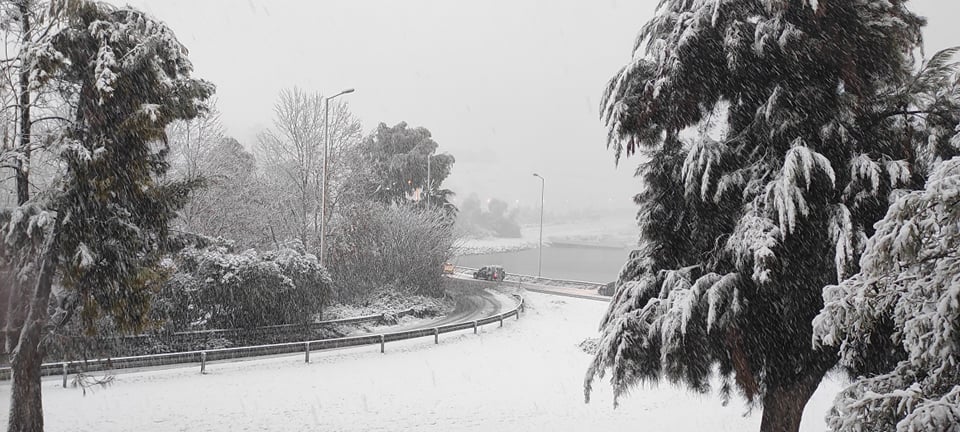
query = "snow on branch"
{"x": 909, "y": 276}
{"x": 753, "y": 246}
{"x": 654, "y": 320}
{"x": 701, "y": 167}
{"x": 785, "y": 195}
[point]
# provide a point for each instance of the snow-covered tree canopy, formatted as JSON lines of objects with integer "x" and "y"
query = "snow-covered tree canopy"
{"x": 397, "y": 157}
{"x": 772, "y": 133}
{"x": 909, "y": 280}
{"x": 100, "y": 228}
{"x": 125, "y": 77}
{"x": 133, "y": 79}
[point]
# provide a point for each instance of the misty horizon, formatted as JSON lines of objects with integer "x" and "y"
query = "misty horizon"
{"x": 507, "y": 88}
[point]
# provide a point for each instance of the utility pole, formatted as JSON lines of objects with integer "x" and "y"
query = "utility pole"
{"x": 428, "y": 179}
{"x": 540, "y": 258}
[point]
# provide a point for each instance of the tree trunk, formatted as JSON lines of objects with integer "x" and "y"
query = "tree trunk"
{"x": 26, "y": 403}
{"x": 783, "y": 406}
{"x": 7, "y": 289}
{"x": 13, "y": 311}
{"x": 23, "y": 163}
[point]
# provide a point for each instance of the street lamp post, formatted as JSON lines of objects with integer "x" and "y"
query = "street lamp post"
{"x": 428, "y": 180}
{"x": 540, "y": 258}
{"x": 326, "y": 176}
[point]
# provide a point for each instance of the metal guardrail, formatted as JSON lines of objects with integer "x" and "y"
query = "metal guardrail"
{"x": 275, "y": 328}
{"x": 204, "y": 356}
{"x": 516, "y": 277}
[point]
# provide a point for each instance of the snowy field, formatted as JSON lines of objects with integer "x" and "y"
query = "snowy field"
{"x": 525, "y": 376}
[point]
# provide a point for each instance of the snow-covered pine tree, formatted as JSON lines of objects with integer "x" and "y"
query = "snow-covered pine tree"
{"x": 905, "y": 299}
{"x": 773, "y": 132}
{"x": 100, "y": 229}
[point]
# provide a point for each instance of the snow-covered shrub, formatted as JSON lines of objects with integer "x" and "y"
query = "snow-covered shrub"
{"x": 904, "y": 305}
{"x": 220, "y": 289}
{"x": 378, "y": 245}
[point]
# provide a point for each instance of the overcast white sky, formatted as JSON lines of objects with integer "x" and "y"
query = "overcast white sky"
{"x": 509, "y": 87}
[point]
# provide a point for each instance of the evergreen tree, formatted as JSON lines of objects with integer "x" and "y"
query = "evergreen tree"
{"x": 897, "y": 322}
{"x": 100, "y": 230}
{"x": 773, "y": 133}
{"x": 397, "y": 157}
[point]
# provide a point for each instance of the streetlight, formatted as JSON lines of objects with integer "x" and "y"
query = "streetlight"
{"x": 428, "y": 179}
{"x": 540, "y": 259}
{"x": 326, "y": 176}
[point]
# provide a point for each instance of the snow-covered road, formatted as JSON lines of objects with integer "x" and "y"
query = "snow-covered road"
{"x": 525, "y": 376}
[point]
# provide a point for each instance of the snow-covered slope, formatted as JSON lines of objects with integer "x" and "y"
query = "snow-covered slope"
{"x": 525, "y": 376}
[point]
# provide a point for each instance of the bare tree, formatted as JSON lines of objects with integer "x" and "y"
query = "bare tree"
{"x": 31, "y": 118}
{"x": 292, "y": 156}
{"x": 31, "y": 114}
{"x": 192, "y": 156}
{"x": 192, "y": 143}
{"x": 233, "y": 201}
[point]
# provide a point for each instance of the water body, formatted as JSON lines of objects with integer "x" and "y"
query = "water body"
{"x": 591, "y": 264}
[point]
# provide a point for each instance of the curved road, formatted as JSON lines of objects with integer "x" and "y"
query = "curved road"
{"x": 471, "y": 305}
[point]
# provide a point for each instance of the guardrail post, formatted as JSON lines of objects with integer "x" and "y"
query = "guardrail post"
{"x": 203, "y": 362}
{"x": 306, "y": 352}
{"x": 501, "y": 320}
{"x": 436, "y": 336}
{"x": 474, "y": 327}
{"x": 522, "y": 307}
{"x": 64, "y": 374}
{"x": 382, "y": 343}
{"x": 516, "y": 313}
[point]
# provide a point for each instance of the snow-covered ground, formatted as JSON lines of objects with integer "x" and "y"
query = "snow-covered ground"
{"x": 610, "y": 231}
{"x": 525, "y": 376}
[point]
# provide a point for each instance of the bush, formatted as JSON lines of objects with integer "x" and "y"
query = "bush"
{"x": 376, "y": 245}
{"x": 215, "y": 288}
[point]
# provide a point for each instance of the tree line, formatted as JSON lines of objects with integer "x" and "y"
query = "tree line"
{"x": 128, "y": 208}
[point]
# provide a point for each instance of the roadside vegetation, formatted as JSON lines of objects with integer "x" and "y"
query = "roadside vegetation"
{"x": 128, "y": 210}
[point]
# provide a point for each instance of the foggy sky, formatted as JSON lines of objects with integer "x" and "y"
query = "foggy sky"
{"x": 508, "y": 87}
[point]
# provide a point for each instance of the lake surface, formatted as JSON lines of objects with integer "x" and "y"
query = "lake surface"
{"x": 591, "y": 264}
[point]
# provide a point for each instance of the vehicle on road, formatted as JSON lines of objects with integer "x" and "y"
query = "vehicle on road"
{"x": 448, "y": 268}
{"x": 490, "y": 273}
